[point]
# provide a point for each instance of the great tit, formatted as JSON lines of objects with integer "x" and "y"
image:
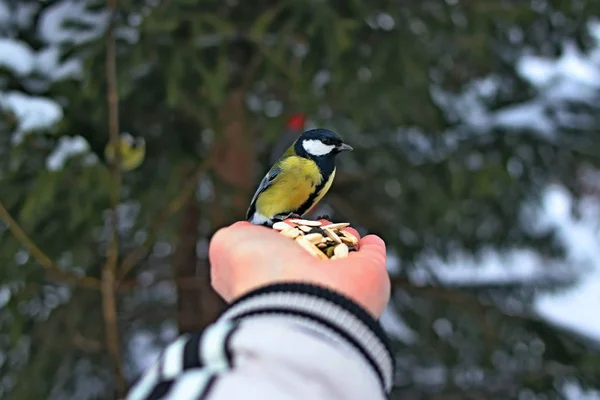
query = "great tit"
{"x": 133, "y": 151}
{"x": 298, "y": 180}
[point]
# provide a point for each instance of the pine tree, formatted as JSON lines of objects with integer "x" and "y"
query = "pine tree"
{"x": 415, "y": 89}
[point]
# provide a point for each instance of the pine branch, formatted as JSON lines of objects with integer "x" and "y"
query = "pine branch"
{"x": 109, "y": 270}
{"x": 173, "y": 207}
{"x": 51, "y": 267}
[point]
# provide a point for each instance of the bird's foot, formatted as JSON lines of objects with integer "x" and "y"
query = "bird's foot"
{"x": 293, "y": 215}
{"x": 283, "y": 217}
{"x": 324, "y": 216}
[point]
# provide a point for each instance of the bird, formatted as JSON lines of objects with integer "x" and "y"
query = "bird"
{"x": 133, "y": 152}
{"x": 298, "y": 180}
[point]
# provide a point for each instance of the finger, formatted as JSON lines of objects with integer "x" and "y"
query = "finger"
{"x": 239, "y": 224}
{"x": 229, "y": 234}
{"x": 371, "y": 248}
{"x": 217, "y": 243}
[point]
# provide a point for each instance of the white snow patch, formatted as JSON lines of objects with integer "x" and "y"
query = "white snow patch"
{"x": 573, "y": 391}
{"x": 143, "y": 351}
{"x": 16, "y": 56}
{"x": 52, "y": 23}
{"x": 48, "y": 63}
{"x": 537, "y": 70}
{"x": 575, "y": 307}
{"x": 67, "y": 147}
{"x": 521, "y": 265}
{"x": 396, "y": 327}
{"x": 32, "y": 112}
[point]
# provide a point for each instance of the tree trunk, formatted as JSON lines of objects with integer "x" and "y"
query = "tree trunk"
{"x": 233, "y": 166}
{"x": 234, "y": 163}
{"x": 197, "y": 304}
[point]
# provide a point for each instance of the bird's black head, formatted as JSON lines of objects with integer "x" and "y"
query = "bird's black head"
{"x": 320, "y": 143}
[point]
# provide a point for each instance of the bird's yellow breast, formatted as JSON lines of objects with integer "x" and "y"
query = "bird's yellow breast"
{"x": 297, "y": 181}
{"x": 131, "y": 158}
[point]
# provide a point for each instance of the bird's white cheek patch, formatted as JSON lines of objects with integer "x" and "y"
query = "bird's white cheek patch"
{"x": 316, "y": 147}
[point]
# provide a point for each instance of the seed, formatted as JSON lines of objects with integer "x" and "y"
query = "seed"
{"x": 339, "y": 225}
{"x": 348, "y": 238}
{"x": 304, "y": 228}
{"x": 321, "y": 245}
{"x": 330, "y": 251}
{"x": 313, "y": 237}
{"x": 311, "y": 248}
{"x": 340, "y": 251}
{"x": 306, "y": 222}
{"x": 349, "y": 242}
{"x": 333, "y": 235}
{"x": 317, "y": 230}
{"x": 291, "y": 233}
{"x": 281, "y": 226}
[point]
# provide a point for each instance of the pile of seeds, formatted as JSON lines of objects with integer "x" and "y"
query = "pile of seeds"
{"x": 324, "y": 242}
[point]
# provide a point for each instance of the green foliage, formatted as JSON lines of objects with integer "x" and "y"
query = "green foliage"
{"x": 420, "y": 175}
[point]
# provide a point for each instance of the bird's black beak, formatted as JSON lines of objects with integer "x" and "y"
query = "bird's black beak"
{"x": 344, "y": 147}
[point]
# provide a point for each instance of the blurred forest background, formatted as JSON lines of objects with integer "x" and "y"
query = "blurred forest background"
{"x": 467, "y": 118}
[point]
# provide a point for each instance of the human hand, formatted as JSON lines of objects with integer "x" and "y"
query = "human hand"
{"x": 244, "y": 257}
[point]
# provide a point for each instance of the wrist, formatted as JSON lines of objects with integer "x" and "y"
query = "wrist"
{"x": 324, "y": 310}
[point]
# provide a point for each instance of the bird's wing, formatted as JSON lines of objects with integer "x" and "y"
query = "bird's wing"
{"x": 264, "y": 184}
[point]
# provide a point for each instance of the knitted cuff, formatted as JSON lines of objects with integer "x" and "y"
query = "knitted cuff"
{"x": 338, "y": 316}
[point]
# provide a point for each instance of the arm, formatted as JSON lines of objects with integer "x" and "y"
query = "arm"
{"x": 283, "y": 341}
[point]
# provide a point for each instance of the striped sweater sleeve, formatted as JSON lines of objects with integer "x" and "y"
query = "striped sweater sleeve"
{"x": 285, "y": 341}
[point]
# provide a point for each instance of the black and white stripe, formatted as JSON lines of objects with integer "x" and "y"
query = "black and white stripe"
{"x": 340, "y": 320}
{"x": 189, "y": 367}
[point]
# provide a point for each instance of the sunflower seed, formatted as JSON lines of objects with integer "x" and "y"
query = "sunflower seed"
{"x": 313, "y": 237}
{"x": 339, "y": 225}
{"x": 311, "y": 248}
{"x": 305, "y": 222}
{"x": 348, "y": 238}
{"x": 291, "y": 233}
{"x": 281, "y": 226}
{"x": 323, "y": 242}
{"x": 333, "y": 235}
{"x": 340, "y": 251}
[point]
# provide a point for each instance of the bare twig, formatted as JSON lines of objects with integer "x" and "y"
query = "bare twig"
{"x": 51, "y": 267}
{"x": 109, "y": 271}
{"x": 175, "y": 205}
{"x": 87, "y": 344}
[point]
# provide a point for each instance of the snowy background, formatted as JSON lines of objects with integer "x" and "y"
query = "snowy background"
{"x": 574, "y": 75}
